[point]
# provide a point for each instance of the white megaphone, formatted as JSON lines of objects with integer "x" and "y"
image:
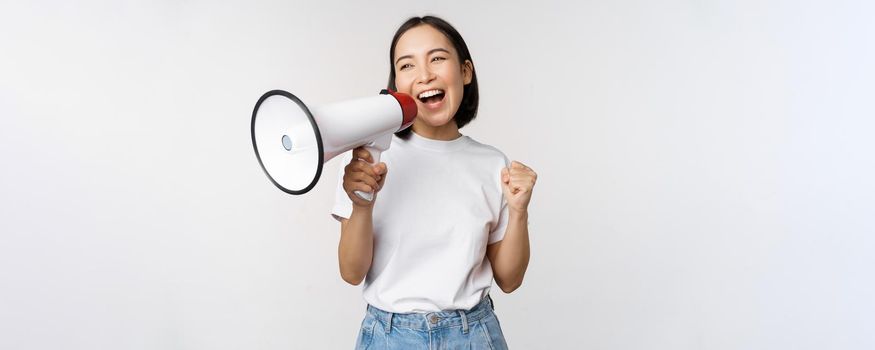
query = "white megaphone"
{"x": 292, "y": 141}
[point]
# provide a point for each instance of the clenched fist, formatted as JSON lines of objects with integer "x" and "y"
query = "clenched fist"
{"x": 517, "y": 183}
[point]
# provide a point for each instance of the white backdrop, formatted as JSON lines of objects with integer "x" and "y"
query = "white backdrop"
{"x": 705, "y": 171}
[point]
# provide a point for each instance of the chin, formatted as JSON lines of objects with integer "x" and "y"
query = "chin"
{"x": 436, "y": 120}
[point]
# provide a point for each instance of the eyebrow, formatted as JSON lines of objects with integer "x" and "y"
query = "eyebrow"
{"x": 429, "y": 53}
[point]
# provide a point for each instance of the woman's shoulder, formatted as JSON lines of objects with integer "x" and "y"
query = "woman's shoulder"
{"x": 485, "y": 150}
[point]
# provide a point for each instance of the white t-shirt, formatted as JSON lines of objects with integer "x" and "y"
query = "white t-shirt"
{"x": 440, "y": 205}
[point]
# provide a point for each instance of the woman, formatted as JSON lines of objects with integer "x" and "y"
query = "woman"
{"x": 451, "y": 217}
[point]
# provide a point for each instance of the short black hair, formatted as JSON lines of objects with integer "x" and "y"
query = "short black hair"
{"x": 470, "y": 96}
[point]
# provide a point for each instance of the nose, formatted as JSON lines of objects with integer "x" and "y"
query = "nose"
{"x": 425, "y": 76}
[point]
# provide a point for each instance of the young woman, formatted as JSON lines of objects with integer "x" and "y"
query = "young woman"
{"x": 450, "y": 217}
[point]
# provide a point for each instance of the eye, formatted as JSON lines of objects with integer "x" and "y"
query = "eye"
{"x": 438, "y": 58}
{"x": 405, "y": 66}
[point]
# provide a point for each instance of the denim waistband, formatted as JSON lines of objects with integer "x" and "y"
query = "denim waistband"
{"x": 432, "y": 320}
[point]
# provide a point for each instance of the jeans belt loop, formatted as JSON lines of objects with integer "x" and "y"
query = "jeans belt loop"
{"x": 389, "y": 322}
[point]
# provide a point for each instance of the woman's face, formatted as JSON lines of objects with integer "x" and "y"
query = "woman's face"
{"x": 427, "y": 67}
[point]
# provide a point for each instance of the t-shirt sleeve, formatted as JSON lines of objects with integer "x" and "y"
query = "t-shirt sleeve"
{"x": 342, "y": 208}
{"x": 497, "y": 232}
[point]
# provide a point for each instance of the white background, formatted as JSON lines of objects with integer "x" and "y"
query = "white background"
{"x": 705, "y": 171}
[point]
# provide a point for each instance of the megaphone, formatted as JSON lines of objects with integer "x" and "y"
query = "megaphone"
{"x": 293, "y": 141}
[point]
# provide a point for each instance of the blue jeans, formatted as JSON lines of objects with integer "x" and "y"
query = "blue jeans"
{"x": 474, "y": 329}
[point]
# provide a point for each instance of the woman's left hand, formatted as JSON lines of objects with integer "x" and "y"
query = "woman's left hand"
{"x": 517, "y": 183}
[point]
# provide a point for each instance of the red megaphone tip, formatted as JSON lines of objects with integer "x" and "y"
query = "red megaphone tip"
{"x": 408, "y": 107}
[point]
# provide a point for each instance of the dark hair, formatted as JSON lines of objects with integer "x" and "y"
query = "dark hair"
{"x": 470, "y": 96}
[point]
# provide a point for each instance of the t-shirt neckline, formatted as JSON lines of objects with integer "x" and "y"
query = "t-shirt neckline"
{"x": 422, "y": 142}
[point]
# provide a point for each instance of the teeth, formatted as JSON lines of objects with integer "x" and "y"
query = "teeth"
{"x": 430, "y": 93}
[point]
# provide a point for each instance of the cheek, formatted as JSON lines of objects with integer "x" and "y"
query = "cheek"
{"x": 458, "y": 91}
{"x": 402, "y": 84}
{"x": 458, "y": 85}
{"x": 458, "y": 94}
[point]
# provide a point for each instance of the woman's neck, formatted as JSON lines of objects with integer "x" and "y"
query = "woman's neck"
{"x": 446, "y": 132}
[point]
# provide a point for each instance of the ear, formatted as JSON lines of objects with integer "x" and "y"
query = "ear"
{"x": 467, "y": 72}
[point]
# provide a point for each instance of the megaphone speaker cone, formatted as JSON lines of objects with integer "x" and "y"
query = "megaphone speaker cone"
{"x": 287, "y": 142}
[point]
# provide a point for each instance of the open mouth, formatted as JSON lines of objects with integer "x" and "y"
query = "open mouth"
{"x": 431, "y": 96}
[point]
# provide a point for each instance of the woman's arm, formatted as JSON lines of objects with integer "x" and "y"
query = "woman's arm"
{"x": 356, "y": 248}
{"x": 510, "y": 257}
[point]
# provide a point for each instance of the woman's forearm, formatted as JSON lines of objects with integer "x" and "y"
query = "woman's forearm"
{"x": 512, "y": 259}
{"x": 356, "y": 248}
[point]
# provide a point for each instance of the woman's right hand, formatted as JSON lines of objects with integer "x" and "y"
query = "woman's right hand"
{"x": 360, "y": 175}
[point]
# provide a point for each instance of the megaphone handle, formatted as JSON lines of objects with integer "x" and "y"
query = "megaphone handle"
{"x": 375, "y": 155}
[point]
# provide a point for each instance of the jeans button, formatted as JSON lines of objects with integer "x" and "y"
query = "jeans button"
{"x": 434, "y": 319}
